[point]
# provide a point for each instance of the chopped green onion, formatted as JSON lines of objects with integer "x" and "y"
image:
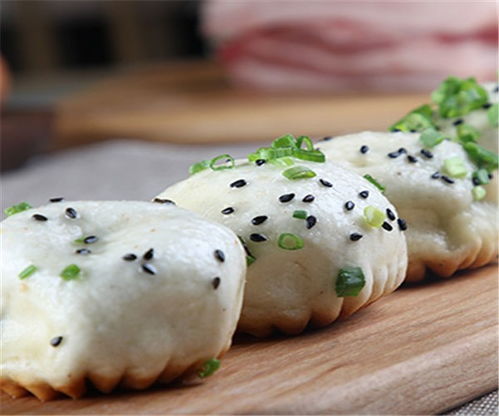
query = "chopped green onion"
{"x": 298, "y": 172}
{"x": 80, "y": 240}
{"x": 493, "y": 115}
{"x": 418, "y": 119}
{"x": 456, "y": 97}
{"x": 374, "y": 216}
{"x": 455, "y": 167}
{"x": 467, "y": 133}
{"x": 199, "y": 166}
{"x": 482, "y": 157}
{"x": 478, "y": 192}
{"x": 28, "y": 271}
{"x": 300, "y": 214}
{"x": 268, "y": 153}
{"x": 289, "y": 241}
{"x": 16, "y": 209}
{"x": 70, "y": 272}
{"x": 481, "y": 177}
{"x": 309, "y": 145}
{"x": 250, "y": 260}
{"x": 350, "y": 281}
{"x": 431, "y": 137}
{"x": 227, "y": 158}
{"x": 282, "y": 162}
{"x": 311, "y": 155}
{"x": 209, "y": 367}
{"x": 287, "y": 140}
{"x": 375, "y": 182}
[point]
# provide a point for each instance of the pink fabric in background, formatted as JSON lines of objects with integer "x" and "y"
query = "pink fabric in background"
{"x": 354, "y": 45}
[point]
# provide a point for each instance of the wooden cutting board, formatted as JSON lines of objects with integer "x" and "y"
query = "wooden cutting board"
{"x": 194, "y": 103}
{"x": 421, "y": 350}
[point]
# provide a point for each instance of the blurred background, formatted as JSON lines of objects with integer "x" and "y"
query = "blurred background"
{"x": 218, "y": 71}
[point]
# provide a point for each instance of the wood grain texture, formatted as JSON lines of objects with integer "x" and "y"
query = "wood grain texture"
{"x": 421, "y": 350}
{"x": 193, "y": 103}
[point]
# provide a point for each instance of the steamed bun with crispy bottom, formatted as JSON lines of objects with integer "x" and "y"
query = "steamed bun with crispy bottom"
{"x": 313, "y": 254}
{"x": 448, "y": 230}
{"x": 116, "y": 293}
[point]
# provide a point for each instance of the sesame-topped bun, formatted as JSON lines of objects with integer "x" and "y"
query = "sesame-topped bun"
{"x": 451, "y": 217}
{"x": 115, "y": 293}
{"x": 322, "y": 242}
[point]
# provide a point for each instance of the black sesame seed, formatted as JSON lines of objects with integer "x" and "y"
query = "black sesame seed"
{"x": 238, "y": 184}
{"x": 308, "y": 198}
{"x": 228, "y": 210}
{"x": 90, "y": 239}
{"x": 163, "y": 201}
{"x": 286, "y": 198}
{"x": 83, "y": 251}
{"x": 149, "y": 254}
{"x": 390, "y": 214}
{"x": 436, "y": 175}
{"x": 458, "y": 122}
{"x": 215, "y": 282}
{"x": 325, "y": 183}
{"x": 327, "y": 138}
{"x": 486, "y": 106}
{"x": 219, "y": 255}
{"x": 257, "y": 238}
{"x": 40, "y": 217}
{"x": 259, "y": 162}
{"x": 491, "y": 176}
{"x": 402, "y": 150}
{"x": 71, "y": 213}
{"x": 349, "y": 205}
{"x": 402, "y": 224}
{"x": 355, "y": 236}
{"x": 426, "y": 153}
{"x": 496, "y": 89}
{"x": 387, "y": 226}
{"x": 311, "y": 221}
{"x": 396, "y": 130}
{"x": 129, "y": 257}
{"x": 258, "y": 220}
{"x": 413, "y": 130}
{"x": 56, "y": 341}
{"x": 393, "y": 155}
{"x": 364, "y": 194}
{"x": 364, "y": 149}
{"x": 57, "y": 199}
{"x": 149, "y": 268}
{"x": 447, "y": 179}
{"x": 411, "y": 159}
{"x": 476, "y": 181}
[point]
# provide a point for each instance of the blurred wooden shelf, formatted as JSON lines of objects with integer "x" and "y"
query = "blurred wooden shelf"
{"x": 192, "y": 102}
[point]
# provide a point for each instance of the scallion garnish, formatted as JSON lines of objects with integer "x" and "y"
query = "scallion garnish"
{"x": 374, "y": 182}
{"x": 418, "y": 120}
{"x": 287, "y": 140}
{"x": 282, "y": 162}
{"x": 288, "y": 241}
{"x": 481, "y": 177}
{"x": 16, "y": 209}
{"x": 28, "y": 271}
{"x": 298, "y": 172}
{"x": 300, "y": 214}
{"x": 349, "y": 282}
{"x": 199, "y": 166}
{"x": 374, "y": 216}
{"x": 311, "y": 155}
{"x": 482, "y": 157}
{"x": 478, "y": 193}
{"x": 467, "y": 133}
{"x": 70, "y": 272}
{"x": 456, "y": 97}
{"x": 431, "y": 137}
{"x": 250, "y": 260}
{"x": 209, "y": 367}
{"x": 309, "y": 145}
{"x": 226, "y": 158}
{"x": 455, "y": 167}
{"x": 493, "y": 115}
